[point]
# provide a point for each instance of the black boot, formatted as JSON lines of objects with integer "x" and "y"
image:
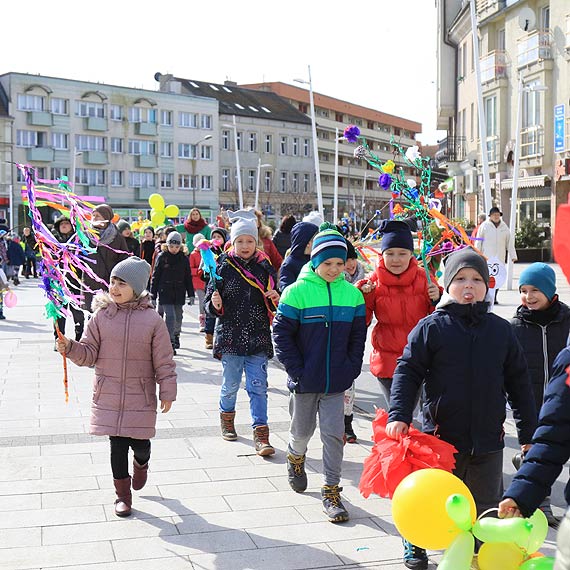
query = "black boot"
{"x": 177, "y": 341}
{"x": 332, "y": 505}
{"x": 296, "y": 474}
{"x": 348, "y": 431}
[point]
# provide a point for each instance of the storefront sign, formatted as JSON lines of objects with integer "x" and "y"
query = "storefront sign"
{"x": 559, "y": 133}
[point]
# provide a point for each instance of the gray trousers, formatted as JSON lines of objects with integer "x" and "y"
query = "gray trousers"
{"x": 173, "y": 314}
{"x": 304, "y": 409}
{"x": 563, "y": 544}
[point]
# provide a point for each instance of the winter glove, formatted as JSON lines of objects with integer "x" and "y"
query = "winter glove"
{"x": 191, "y": 301}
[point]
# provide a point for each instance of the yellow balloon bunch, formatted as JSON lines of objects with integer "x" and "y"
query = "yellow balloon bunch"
{"x": 160, "y": 211}
{"x": 434, "y": 509}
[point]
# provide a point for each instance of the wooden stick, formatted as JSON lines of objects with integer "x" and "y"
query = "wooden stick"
{"x": 65, "y": 382}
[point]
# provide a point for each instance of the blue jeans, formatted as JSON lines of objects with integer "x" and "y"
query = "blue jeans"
{"x": 255, "y": 367}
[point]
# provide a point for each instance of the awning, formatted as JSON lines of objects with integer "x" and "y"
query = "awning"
{"x": 527, "y": 182}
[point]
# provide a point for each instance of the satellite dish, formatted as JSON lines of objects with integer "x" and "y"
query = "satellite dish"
{"x": 527, "y": 19}
{"x": 157, "y": 76}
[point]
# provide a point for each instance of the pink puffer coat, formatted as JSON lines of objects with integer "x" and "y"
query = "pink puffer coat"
{"x": 130, "y": 348}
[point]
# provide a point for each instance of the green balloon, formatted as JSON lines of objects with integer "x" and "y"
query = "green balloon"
{"x": 538, "y": 532}
{"x": 459, "y": 510}
{"x": 515, "y": 530}
{"x": 459, "y": 554}
{"x": 542, "y": 563}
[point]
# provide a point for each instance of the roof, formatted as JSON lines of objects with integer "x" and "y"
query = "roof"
{"x": 300, "y": 94}
{"x": 243, "y": 102}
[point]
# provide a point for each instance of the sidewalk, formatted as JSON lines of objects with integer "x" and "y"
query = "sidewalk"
{"x": 209, "y": 504}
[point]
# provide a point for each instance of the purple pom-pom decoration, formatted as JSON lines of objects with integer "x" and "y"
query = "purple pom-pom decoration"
{"x": 385, "y": 181}
{"x": 351, "y": 133}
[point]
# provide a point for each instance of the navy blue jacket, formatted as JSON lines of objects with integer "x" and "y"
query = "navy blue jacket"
{"x": 15, "y": 253}
{"x": 171, "y": 278}
{"x": 550, "y": 444}
{"x": 471, "y": 362}
{"x": 301, "y": 234}
{"x": 542, "y": 334}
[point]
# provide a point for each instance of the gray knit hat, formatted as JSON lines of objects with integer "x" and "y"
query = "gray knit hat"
{"x": 123, "y": 225}
{"x": 174, "y": 238}
{"x": 133, "y": 271}
{"x": 243, "y": 227}
{"x": 458, "y": 260}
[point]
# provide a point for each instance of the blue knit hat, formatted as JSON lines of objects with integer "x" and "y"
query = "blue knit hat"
{"x": 395, "y": 234}
{"x": 542, "y": 277}
{"x": 327, "y": 243}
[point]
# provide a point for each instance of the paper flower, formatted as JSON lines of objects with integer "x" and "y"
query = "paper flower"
{"x": 398, "y": 210}
{"x": 413, "y": 193}
{"x": 359, "y": 152}
{"x": 388, "y": 167}
{"x": 385, "y": 181}
{"x": 351, "y": 133}
{"x": 413, "y": 153}
{"x": 411, "y": 182}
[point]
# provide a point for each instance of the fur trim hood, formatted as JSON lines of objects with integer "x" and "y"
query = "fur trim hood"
{"x": 103, "y": 302}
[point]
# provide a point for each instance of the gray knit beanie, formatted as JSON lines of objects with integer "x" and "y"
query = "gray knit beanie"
{"x": 174, "y": 238}
{"x": 458, "y": 260}
{"x": 133, "y": 271}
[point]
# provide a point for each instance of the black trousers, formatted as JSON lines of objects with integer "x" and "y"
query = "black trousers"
{"x": 120, "y": 454}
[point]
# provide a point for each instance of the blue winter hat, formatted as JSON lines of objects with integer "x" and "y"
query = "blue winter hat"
{"x": 542, "y": 277}
{"x": 395, "y": 233}
{"x": 327, "y": 243}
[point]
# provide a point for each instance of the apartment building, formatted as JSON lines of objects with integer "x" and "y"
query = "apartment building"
{"x": 117, "y": 142}
{"x": 6, "y": 186}
{"x": 357, "y": 181}
{"x": 524, "y": 48}
{"x": 274, "y": 147}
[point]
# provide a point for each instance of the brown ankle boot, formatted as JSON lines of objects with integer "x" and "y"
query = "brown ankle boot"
{"x": 124, "y": 497}
{"x": 139, "y": 475}
{"x": 261, "y": 441}
{"x": 209, "y": 341}
{"x": 227, "y": 423}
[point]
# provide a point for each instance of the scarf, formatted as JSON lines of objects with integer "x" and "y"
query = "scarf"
{"x": 194, "y": 227}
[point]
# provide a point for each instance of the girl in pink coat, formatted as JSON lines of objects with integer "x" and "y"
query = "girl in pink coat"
{"x": 128, "y": 344}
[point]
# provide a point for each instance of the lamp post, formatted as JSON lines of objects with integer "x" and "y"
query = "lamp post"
{"x": 514, "y": 195}
{"x": 348, "y": 190}
{"x": 258, "y": 181}
{"x": 234, "y": 127}
{"x": 315, "y": 143}
{"x": 206, "y": 138}
{"x": 73, "y": 163}
{"x": 335, "y": 193}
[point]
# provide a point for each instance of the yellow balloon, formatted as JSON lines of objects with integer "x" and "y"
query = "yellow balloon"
{"x": 156, "y": 201}
{"x": 418, "y": 508}
{"x": 503, "y": 555}
{"x": 171, "y": 211}
{"x": 157, "y": 218}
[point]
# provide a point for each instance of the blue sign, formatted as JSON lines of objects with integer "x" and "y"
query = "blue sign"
{"x": 559, "y": 131}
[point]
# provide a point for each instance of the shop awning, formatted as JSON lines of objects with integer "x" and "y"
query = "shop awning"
{"x": 527, "y": 182}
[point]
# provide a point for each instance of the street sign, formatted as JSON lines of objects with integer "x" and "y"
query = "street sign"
{"x": 559, "y": 134}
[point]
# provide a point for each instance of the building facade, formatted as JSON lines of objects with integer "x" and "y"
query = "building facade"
{"x": 524, "y": 48}
{"x": 6, "y": 186}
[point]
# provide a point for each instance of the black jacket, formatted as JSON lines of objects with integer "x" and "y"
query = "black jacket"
{"x": 133, "y": 245}
{"x": 301, "y": 234}
{"x": 171, "y": 278}
{"x": 471, "y": 362}
{"x": 542, "y": 334}
{"x": 550, "y": 444}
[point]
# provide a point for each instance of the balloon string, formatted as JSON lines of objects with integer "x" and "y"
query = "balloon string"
{"x": 65, "y": 382}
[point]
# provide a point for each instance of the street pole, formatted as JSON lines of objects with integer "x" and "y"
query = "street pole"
{"x": 335, "y": 198}
{"x": 240, "y": 192}
{"x": 316, "y": 149}
{"x": 258, "y": 181}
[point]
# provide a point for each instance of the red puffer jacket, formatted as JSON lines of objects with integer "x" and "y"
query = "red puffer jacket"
{"x": 195, "y": 259}
{"x": 398, "y": 302}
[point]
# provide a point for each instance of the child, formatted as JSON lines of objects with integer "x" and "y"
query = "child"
{"x": 354, "y": 271}
{"x": 128, "y": 344}
{"x": 319, "y": 334}
{"x": 171, "y": 282}
{"x": 471, "y": 362}
{"x": 542, "y": 325}
{"x": 399, "y": 295}
{"x": 195, "y": 259}
{"x": 241, "y": 302}
{"x": 545, "y": 459}
{"x": 147, "y": 245}
{"x": 299, "y": 254}
{"x": 132, "y": 242}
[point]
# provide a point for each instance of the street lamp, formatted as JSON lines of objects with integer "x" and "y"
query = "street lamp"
{"x": 257, "y": 182}
{"x": 206, "y": 138}
{"x": 234, "y": 127}
{"x": 514, "y": 196}
{"x": 315, "y": 142}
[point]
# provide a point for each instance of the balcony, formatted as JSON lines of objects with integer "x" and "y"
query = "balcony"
{"x": 487, "y": 8}
{"x": 94, "y": 157}
{"x": 95, "y": 124}
{"x": 534, "y": 47}
{"x": 146, "y": 161}
{"x": 532, "y": 142}
{"x": 144, "y": 193}
{"x": 148, "y": 129}
{"x": 102, "y": 191}
{"x": 493, "y": 66}
{"x": 39, "y": 118}
{"x": 450, "y": 149}
{"x": 39, "y": 154}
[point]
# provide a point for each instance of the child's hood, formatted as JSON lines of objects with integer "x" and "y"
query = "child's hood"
{"x": 301, "y": 235}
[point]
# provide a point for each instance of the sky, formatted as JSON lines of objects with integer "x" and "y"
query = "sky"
{"x": 376, "y": 53}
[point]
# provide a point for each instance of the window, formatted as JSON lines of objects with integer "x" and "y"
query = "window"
{"x": 225, "y": 179}
{"x": 116, "y": 145}
{"x": 267, "y": 184}
{"x": 116, "y": 112}
{"x": 189, "y": 120}
{"x": 89, "y": 142}
{"x": 531, "y": 106}
{"x": 268, "y": 144}
{"x": 206, "y": 182}
{"x": 151, "y": 115}
{"x": 283, "y": 182}
{"x": 206, "y": 152}
{"x": 303, "y": 108}
{"x": 139, "y": 147}
{"x": 31, "y": 103}
{"x": 166, "y": 180}
{"x": 88, "y": 109}
{"x": 252, "y": 142}
{"x": 58, "y": 173}
{"x": 187, "y": 150}
{"x": 90, "y": 177}
{"x": 491, "y": 115}
{"x": 117, "y": 178}
{"x": 306, "y": 183}
{"x": 251, "y": 180}
{"x": 501, "y": 40}
{"x": 58, "y": 106}
{"x": 187, "y": 182}
{"x": 295, "y": 182}
{"x": 306, "y": 147}
{"x": 166, "y": 149}
{"x": 226, "y": 140}
{"x": 295, "y": 146}
{"x": 135, "y": 114}
{"x": 31, "y": 138}
{"x": 397, "y": 132}
{"x": 283, "y": 145}
{"x": 206, "y": 121}
{"x": 239, "y": 140}
{"x": 370, "y": 125}
{"x": 339, "y": 117}
{"x": 166, "y": 118}
{"x": 59, "y": 141}
{"x": 142, "y": 179}
{"x": 472, "y": 121}
{"x": 545, "y": 18}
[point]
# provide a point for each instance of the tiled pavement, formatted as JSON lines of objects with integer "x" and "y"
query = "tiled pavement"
{"x": 209, "y": 504}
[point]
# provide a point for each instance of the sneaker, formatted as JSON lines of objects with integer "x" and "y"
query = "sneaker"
{"x": 261, "y": 441}
{"x": 296, "y": 474}
{"x": 414, "y": 556}
{"x": 332, "y": 505}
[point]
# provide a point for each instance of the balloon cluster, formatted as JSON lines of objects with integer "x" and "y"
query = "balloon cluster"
{"x": 160, "y": 211}
{"x": 434, "y": 509}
